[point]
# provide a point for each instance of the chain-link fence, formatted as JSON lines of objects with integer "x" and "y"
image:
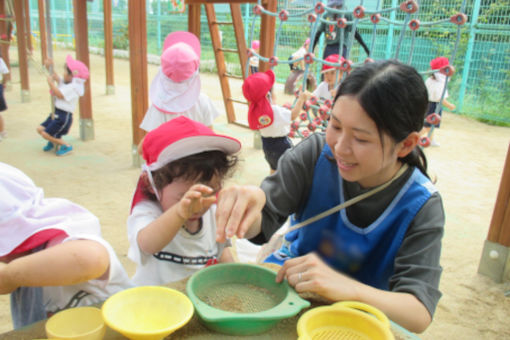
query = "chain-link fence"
{"x": 480, "y": 86}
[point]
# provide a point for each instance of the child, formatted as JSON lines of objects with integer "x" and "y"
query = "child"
{"x": 383, "y": 250}
{"x": 273, "y": 121}
{"x": 435, "y": 86}
{"x": 52, "y": 255}
{"x": 67, "y": 91}
{"x": 300, "y": 53}
{"x": 327, "y": 88}
{"x": 3, "y": 104}
{"x": 254, "y": 60}
{"x": 172, "y": 226}
{"x": 175, "y": 91}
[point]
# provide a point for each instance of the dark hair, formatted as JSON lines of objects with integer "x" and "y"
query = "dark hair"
{"x": 394, "y": 95}
{"x": 200, "y": 167}
{"x": 69, "y": 70}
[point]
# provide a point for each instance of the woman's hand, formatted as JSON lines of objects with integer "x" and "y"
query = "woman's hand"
{"x": 239, "y": 211}
{"x": 309, "y": 273}
{"x": 196, "y": 200}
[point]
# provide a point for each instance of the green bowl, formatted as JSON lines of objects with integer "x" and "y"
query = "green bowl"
{"x": 241, "y": 299}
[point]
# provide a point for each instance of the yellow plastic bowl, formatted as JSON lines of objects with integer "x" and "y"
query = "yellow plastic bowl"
{"x": 80, "y": 323}
{"x": 147, "y": 313}
{"x": 344, "y": 320}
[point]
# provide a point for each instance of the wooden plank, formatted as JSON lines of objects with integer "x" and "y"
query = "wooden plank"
{"x": 42, "y": 30}
{"x": 138, "y": 66}
{"x": 27, "y": 26}
{"x": 82, "y": 53}
{"x": 267, "y": 29}
{"x": 220, "y": 61}
{"x": 499, "y": 230}
{"x": 194, "y": 19}
{"x": 22, "y": 49}
{"x": 108, "y": 41}
{"x": 237, "y": 20}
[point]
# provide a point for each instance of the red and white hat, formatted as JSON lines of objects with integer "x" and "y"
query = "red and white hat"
{"x": 176, "y": 86}
{"x": 78, "y": 69}
{"x": 181, "y": 137}
{"x": 255, "y": 90}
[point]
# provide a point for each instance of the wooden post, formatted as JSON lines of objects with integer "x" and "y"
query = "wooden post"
{"x": 5, "y": 36}
{"x": 138, "y": 69}
{"x": 495, "y": 261}
{"x": 22, "y": 50}
{"x": 194, "y": 19}
{"x": 267, "y": 29}
{"x": 28, "y": 27}
{"x": 42, "y": 30}
{"x": 108, "y": 46}
{"x": 82, "y": 54}
{"x": 237, "y": 20}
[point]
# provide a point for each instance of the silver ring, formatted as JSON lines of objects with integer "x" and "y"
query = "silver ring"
{"x": 299, "y": 276}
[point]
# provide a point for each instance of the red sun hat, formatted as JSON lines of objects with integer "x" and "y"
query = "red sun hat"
{"x": 255, "y": 90}
{"x": 439, "y": 62}
{"x": 332, "y": 58}
{"x": 78, "y": 69}
{"x": 181, "y": 137}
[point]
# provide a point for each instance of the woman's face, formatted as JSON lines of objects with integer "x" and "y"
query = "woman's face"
{"x": 356, "y": 145}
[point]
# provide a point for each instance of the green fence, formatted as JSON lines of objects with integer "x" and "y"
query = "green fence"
{"x": 480, "y": 86}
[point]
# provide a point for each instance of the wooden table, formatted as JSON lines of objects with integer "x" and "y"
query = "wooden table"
{"x": 285, "y": 329}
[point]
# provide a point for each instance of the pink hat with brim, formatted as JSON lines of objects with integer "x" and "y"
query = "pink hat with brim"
{"x": 78, "y": 69}
{"x": 176, "y": 86}
{"x": 182, "y": 137}
{"x": 255, "y": 89}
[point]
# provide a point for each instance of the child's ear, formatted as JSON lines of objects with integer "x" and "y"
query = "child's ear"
{"x": 408, "y": 144}
{"x": 146, "y": 183}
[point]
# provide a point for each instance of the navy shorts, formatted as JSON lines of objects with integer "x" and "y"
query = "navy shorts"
{"x": 432, "y": 109}
{"x": 60, "y": 125}
{"x": 274, "y": 149}
{"x": 3, "y": 104}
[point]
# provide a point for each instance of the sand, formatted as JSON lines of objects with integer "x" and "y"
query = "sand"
{"x": 100, "y": 175}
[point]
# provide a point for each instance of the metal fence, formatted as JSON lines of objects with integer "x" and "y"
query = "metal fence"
{"x": 480, "y": 86}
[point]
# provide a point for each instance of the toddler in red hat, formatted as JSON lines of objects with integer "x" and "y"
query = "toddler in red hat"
{"x": 66, "y": 90}
{"x": 175, "y": 90}
{"x": 172, "y": 225}
{"x": 273, "y": 121}
{"x": 436, "y": 88}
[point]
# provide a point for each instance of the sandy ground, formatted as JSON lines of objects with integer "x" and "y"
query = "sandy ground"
{"x": 100, "y": 175}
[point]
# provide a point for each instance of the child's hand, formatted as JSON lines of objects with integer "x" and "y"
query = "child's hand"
{"x": 6, "y": 287}
{"x": 195, "y": 201}
{"x": 48, "y": 62}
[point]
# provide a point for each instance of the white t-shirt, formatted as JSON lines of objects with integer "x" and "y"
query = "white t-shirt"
{"x": 322, "y": 92}
{"x": 254, "y": 61}
{"x": 92, "y": 291}
{"x": 3, "y": 69}
{"x": 435, "y": 88}
{"x": 182, "y": 257}
{"x": 71, "y": 95}
{"x": 281, "y": 123}
{"x": 300, "y": 53}
{"x": 203, "y": 112}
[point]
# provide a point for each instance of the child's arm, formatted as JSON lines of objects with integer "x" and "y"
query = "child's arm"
{"x": 226, "y": 255}
{"x": 157, "y": 234}
{"x": 53, "y": 87}
{"x": 303, "y": 97}
{"x": 448, "y": 105}
{"x": 65, "y": 264}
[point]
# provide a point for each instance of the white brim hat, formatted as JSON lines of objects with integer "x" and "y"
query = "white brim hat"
{"x": 174, "y": 97}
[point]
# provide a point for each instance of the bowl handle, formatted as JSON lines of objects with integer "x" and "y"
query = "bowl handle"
{"x": 366, "y": 308}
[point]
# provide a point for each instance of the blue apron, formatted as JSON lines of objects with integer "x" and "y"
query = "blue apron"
{"x": 366, "y": 254}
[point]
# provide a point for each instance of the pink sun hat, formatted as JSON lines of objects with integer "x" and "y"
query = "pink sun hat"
{"x": 78, "y": 69}
{"x": 176, "y": 86}
{"x": 181, "y": 137}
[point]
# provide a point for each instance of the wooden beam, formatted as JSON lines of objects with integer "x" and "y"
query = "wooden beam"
{"x": 82, "y": 54}
{"x": 267, "y": 29}
{"x": 499, "y": 230}
{"x": 138, "y": 66}
{"x": 22, "y": 49}
{"x": 42, "y": 30}
{"x": 108, "y": 45}
{"x": 5, "y": 35}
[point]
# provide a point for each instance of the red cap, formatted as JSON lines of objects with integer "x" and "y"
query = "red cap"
{"x": 332, "y": 58}
{"x": 255, "y": 89}
{"x": 439, "y": 62}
